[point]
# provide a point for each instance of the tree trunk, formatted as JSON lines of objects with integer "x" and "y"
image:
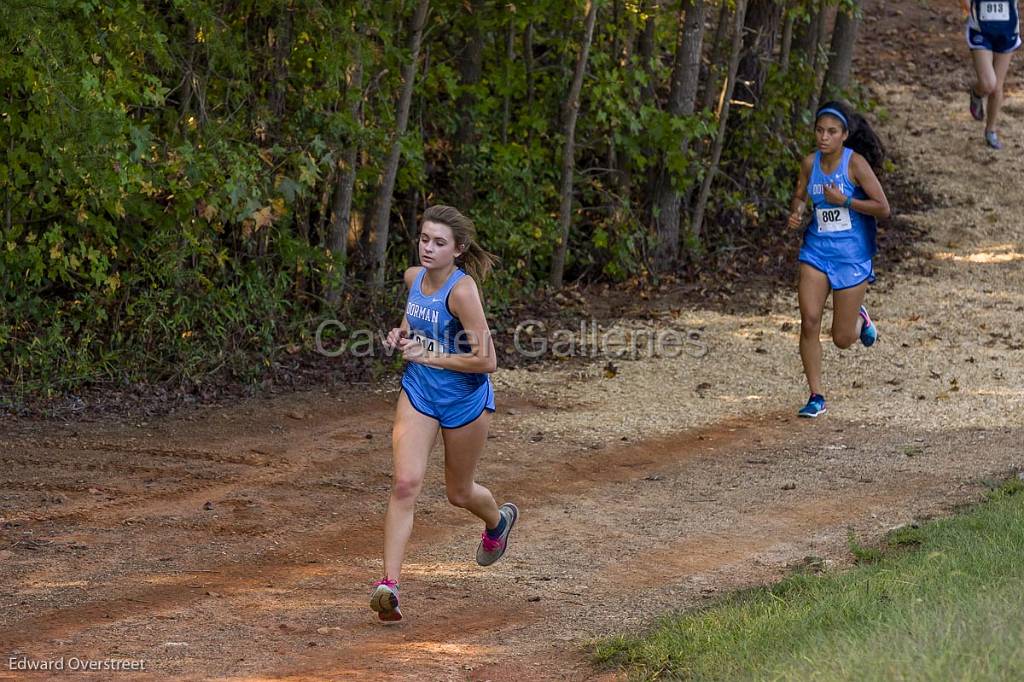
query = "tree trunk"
{"x": 686, "y": 70}
{"x": 761, "y": 28}
{"x": 619, "y": 167}
{"x": 716, "y": 153}
{"x": 820, "y": 58}
{"x": 510, "y": 57}
{"x": 648, "y": 60}
{"x": 382, "y": 205}
{"x": 528, "y": 57}
{"x": 302, "y": 211}
{"x": 647, "y": 51}
{"x": 193, "y": 97}
{"x": 528, "y": 64}
{"x": 682, "y": 100}
{"x": 571, "y": 111}
{"x": 805, "y": 48}
{"x": 341, "y": 211}
{"x": 411, "y": 226}
{"x": 188, "y": 81}
{"x": 470, "y": 71}
{"x": 615, "y": 29}
{"x": 844, "y": 37}
{"x": 8, "y": 214}
{"x": 711, "y": 85}
{"x": 281, "y": 48}
{"x": 805, "y": 36}
{"x": 787, "y": 39}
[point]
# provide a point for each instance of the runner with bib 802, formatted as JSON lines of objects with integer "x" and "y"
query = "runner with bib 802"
{"x": 839, "y": 242}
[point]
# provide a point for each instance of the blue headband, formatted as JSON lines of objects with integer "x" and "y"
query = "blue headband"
{"x": 835, "y": 112}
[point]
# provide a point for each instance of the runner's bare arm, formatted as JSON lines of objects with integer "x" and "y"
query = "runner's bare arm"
{"x": 466, "y": 305}
{"x": 402, "y": 330}
{"x": 799, "y": 202}
{"x": 876, "y": 204}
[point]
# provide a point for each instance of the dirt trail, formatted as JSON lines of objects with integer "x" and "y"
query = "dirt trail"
{"x": 239, "y": 542}
{"x": 275, "y": 572}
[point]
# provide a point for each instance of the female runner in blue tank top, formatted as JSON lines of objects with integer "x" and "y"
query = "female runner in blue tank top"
{"x": 446, "y": 387}
{"x": 993, "y": 34}
{"x": 839, "y": 243}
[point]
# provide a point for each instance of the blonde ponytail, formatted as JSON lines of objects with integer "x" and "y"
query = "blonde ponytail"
{"x": 475, "y": 260}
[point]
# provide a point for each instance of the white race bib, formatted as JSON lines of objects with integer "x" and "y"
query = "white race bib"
{"x": 432, "y": 347}
{"x": 995, "y": 11}
{"x": 833, "y": 219}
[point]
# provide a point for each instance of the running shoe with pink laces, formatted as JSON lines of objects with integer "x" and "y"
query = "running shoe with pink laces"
{"x": 977, "y": 105}
{"x": 492, "y": 549}
{"x": 384, "y": 600}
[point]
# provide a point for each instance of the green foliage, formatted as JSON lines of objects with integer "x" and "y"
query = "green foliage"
{"x": 136, "y": 243}
{"x": 767, "y": 144}
{"x": 862, "y": 554}
{"x": 907, "y": 536}
{"x": 950, "y": 608}
{"x": 169, "y": 170}
{"x": 1011, "y": 487}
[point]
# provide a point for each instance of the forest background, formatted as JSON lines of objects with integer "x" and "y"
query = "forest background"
{"x": 189, "y": 187}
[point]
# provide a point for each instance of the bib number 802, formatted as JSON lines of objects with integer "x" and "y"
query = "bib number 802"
{"x": 834, "y": 220}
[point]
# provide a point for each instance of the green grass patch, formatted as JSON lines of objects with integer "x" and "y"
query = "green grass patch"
{"x": 944, "y": 602}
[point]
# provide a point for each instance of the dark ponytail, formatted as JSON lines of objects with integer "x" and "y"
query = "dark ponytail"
{"x": 861, "y": 139}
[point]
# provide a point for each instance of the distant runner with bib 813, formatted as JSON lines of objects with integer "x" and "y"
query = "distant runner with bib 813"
{"x": 993, "y": 34}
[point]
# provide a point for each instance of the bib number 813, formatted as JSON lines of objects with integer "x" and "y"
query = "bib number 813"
{"x": 995, "y": 11}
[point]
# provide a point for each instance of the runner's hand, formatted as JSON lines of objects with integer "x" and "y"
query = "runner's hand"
{"x": 394, "y": 336}
{"x": 833, "y": 195}
{"x": 412, "y": 351}
{"x": 796, "y": 218}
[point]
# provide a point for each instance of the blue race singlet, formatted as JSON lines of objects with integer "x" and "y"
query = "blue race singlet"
{"x": 837, "y": 233}
{"x": 997, "y": 17}
{"x": 439, "y": 332}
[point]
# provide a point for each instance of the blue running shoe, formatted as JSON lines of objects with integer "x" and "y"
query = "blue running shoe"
{"x": 992, "y": 140}
{"x": 814, "y": 406}
{"x": 869, "y": 332}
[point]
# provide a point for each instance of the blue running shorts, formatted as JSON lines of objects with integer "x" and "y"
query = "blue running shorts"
{"x": 840, "y": 275}
{"x": 993, "y": 42}
{"x": 451, "y": 412}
